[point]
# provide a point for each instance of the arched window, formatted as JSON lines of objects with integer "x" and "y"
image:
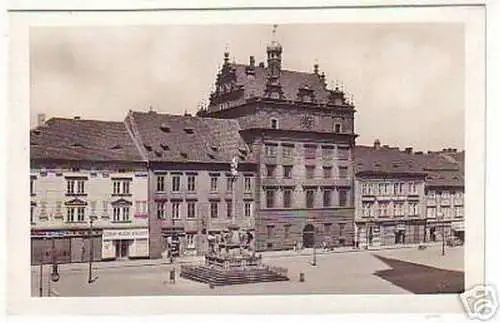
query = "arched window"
{"x": 337, "y": 128}
{"x": 274, "y": 124}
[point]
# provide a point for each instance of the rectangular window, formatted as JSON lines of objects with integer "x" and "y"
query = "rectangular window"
{"x": 342, "y": 197}
{"x": 327, "y": 172}
{"x": 126, "y": 187}
{"x": 269, "y": 199}
{"x": 287, "y": 198}
{"x": 286, "y": 228}
{"x": 287, "y": 151}
{"x": 248, "y": 184}
{"x": 80, "y": 187}
{"x": 32, "y": 187}
{"x": 327, "y": 152}
{"x": 116, "y": 214}
{"x": 343, "y": 172}
{"x": 191, "y": 210}
{"x": 327, "y": 198}
{"x": 271, "y": 150}
{"x": 213, "y": 184}
{"x": 229, "y": 208}
{"x": 214, "y": 209}
{"x": 191, "y": 183}
{"x": 176, "y": 210}
{"x": 70, "y": 212}
{"x": 248, "y": 209}
{"x": 328, "y": 228}
{"x": 459, "y": 212}
{"x": 229, "y": 184}
{"x": 310, "y": 152}
{"x": 270, "y": 231}
{"x": 32, "y": 218}
{"x": 92, "y": 207}
{"x": 116, "y": 187}
{"x": 270, "y": 170}
{"x": 70, "y": 187}
{"x": 125, "y": 213}
{"x": 160, "y": 183}
{"x": 310, "y": 172}
{"x": 309, "y": 199}
{"x": 190, "y": 241}
{"x": 81, "y": 214}
{"x": 367, "y": 209}
{"x": 176, "y": 183}
{"x": 160, "y": 210}
{"x": 341, "y": 229}
{"x": 412, "y": 188}
{"x": 104, "y": 207}
{"x": 287, "y": 171}
{"x": 343, "y": 153}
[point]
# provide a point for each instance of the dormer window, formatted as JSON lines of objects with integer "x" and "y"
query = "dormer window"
{"x": 164, "y": 147}
{"x": 148, "y": 147}
{"x": 184, "y": 155}
{"x": 164, "y": 127}
{"x": 189, "y": 130}
{"x": 274, "y": 124}
{"x": 116, "y": 147}
{"x": 77, "y": 145}
{"x": 214, "y": 148}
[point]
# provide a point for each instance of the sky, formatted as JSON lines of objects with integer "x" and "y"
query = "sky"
{"x": 407, "y": 79}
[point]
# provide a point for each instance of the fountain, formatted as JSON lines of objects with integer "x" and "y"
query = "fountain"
{"x": 232, "y": 260}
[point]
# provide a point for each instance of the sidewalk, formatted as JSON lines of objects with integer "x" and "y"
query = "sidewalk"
{"x": 199, "y": 259}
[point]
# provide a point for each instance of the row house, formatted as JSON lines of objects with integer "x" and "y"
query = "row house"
{"x": 406, "y": 197}
{"x": 193, "y": 195}
{"x": 88, "y": 192}
{"x": 301, "y": 134}
{"x": 445, "y": 205}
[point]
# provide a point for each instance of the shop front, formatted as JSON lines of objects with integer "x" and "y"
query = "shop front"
{"x": 125, "y": 243}
{"x": 458, "y": 230}
{"x": 64, "y": 246}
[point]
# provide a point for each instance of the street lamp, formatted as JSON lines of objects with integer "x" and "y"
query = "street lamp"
{"x": 442, "y": 234}
{"x": 314, "y": 251}
{"x": 91, "y": 256}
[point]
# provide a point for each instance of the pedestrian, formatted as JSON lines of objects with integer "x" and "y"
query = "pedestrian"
{"x": 295, "y": 245}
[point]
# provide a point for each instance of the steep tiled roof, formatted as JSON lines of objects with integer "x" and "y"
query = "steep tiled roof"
{"x": 75, "y": 139}
{"x": 385, "y": 160}
{"x": 291, "y": 81}
{"x": 175, "y": 138}
{"x": 439, "y": 170}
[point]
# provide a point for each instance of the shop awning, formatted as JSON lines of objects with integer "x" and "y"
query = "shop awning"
{"x": 458, "y": 226}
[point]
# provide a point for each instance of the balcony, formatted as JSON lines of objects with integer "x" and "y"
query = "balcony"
{"x": 431, "y": 202}
{"x": 458, "y": 202}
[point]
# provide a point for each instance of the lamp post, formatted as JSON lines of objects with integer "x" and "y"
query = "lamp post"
{"x": 442, "y": 234}
{"x": 91, "y": 242}
{"x": 314, "y": 250}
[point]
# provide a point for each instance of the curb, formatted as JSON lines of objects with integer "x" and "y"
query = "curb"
{"x": 120, "y": 265}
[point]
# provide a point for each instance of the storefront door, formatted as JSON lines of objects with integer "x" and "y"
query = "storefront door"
{"x": 122, "y": 249}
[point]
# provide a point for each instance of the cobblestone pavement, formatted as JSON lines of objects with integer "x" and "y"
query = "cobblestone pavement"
{"x": 335, "y": 273}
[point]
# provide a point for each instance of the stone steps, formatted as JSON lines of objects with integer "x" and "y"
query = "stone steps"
{"x": 218, "y": 277}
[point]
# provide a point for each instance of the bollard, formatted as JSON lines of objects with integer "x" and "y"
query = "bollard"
{"x": 172, "y": 276}
{"x": 301, "y": 277}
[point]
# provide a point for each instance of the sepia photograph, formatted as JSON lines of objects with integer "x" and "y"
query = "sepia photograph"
{"x": 240, "y": 158}
{"x": 261, "y": 165}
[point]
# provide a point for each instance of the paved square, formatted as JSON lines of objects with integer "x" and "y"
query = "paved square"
{"x": 396, "y": 271}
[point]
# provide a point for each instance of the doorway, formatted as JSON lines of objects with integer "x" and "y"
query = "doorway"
{"x": 308, "y": 236}
{"x": 400, "y": 237}
{"x": 122, "y": 249}
{"x": 432, "y": 233}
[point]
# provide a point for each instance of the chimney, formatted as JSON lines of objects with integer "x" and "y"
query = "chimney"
{"x": 408, "y": 150}
{"x": 252, "y": 62}
{"x": 41, "y": 119}
{"x": 261, "y": 64}
{"x": 77, "y": 118}
{"x": 376, "y": 144}
{"x": 316, "y": 69}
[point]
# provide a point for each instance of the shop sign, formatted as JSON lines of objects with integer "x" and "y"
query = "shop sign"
{"x": 458, "y": 226}
{"x": 125, "y": 234}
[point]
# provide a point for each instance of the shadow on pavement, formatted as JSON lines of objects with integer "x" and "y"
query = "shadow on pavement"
{"x": 421, "y": 279}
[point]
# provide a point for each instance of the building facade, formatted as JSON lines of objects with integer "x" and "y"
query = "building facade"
{"x": 406, "y": 197}
{"x": 194, "y": 196}
{"x": 301, "y": 134}
{"x": 86, "y": 171}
